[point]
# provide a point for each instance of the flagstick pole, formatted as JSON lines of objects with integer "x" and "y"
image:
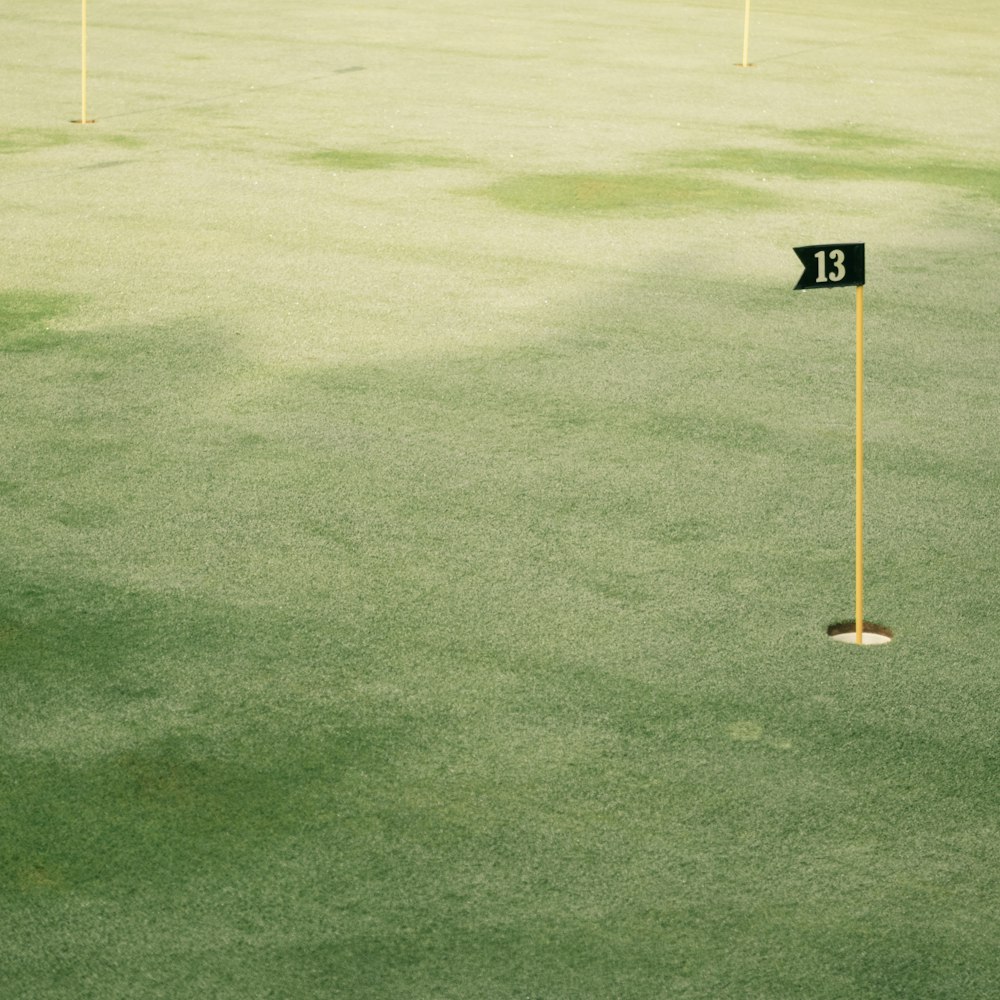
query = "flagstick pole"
{"x": 859, "y": 457}
{"x": 746, "y": 35}
{"x": 83, "y": 62}
{"x": 83, "y": 119}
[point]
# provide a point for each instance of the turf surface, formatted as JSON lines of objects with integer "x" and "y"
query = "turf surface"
{"x": 424, "y": 500}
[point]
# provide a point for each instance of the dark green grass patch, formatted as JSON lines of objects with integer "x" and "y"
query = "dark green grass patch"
{"x": 671, "y": 193}
{"x": 19, "y": 141}
{"x": 848, "y": 163}
{"x": 25, "y": 317}
{"x": 361, "y": 159}
{"x": 26, "y": 140}
{"x": 852, "y": 138}
{"x": 157, "y": 810}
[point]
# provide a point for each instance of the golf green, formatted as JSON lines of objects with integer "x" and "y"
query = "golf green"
{"x": 424, "y": 501}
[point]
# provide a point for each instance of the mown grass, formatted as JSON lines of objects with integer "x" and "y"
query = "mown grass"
{"x": 413, "y": 594}
{"x": 366, "y": 159}
{"x": 466, "y": 606}
{"x": 674, "y": 193}
{"x": 975, "y": 179}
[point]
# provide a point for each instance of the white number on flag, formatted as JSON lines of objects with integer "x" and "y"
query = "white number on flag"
{"x": 837, "y": 259}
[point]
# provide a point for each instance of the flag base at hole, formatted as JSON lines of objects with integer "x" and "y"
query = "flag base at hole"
{"x": 82, "y": 121}
{"x": 871, "y": 633}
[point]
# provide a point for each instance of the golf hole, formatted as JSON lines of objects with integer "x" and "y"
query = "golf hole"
{"x": 871, "y": 633}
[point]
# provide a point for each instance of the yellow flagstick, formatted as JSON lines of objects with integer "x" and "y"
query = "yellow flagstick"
{"x": 746, "y": 35}
{"x": 84, "y": 120}
{"x": 859, "y": 458}
{"x": 834, "y": 267}
{"x": 83, "y": 62}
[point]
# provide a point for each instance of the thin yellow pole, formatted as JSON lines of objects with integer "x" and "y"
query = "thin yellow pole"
{"x": 83, "y": 62}
{"x": 83, "y": 119}
{"x": 746, "y": 35}
{"x": 859, "y": 458}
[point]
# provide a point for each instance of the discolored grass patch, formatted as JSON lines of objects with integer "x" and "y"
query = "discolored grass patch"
{"x": 367, "y": 159}
{"x": 850, "y": 137}
{"x": 848, "y": 164}
{"x": 150, "y": 810}
{"x": 24, "y": 316}
{"x": 26, "y": 140}
{"x": 666, "y": 193}
{"x": 30, "y": 140}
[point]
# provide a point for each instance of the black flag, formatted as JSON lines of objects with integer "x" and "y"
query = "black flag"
{"x": 832, "y": 265}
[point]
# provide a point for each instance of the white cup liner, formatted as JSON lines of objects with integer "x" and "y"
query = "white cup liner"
{"x": 871, "y": 635}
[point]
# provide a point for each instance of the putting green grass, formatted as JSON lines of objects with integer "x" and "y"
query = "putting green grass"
{"x": 360, "y": 159}
{"x": 641, "y": 193}
{"x": 424, "y": 500}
